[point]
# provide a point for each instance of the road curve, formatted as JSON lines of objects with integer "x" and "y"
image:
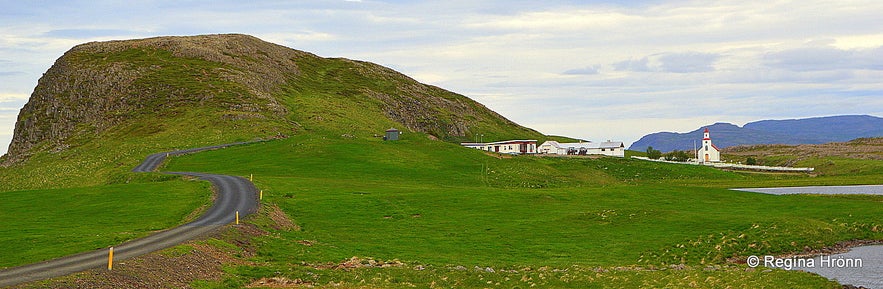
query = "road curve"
{"x": 232, "y": 194}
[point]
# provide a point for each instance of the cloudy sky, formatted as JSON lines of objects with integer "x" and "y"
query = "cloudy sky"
{"x": 590, "y": 69}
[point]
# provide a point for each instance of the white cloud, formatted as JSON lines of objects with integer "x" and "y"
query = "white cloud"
{"x": 297, "y": 37}
{"x": 858, "y": 41}
{"x": 7, "y": 125}
{"x": 684, "y": 62}
{"x": 609, "y": 66}
{"x": 555, "y": 20}
{"x": 588, "y": 70}
{"x": 9, "y": 97}
{"x": 687, "y": 62}
{"x": 80, "y": 33}
{"x": 5, "y": 140}
{"x": 639, "y": 65}
{"x": 815, "y": 58}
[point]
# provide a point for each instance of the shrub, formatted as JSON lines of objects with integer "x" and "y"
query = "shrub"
{"x": 678, "y": 156}
{"x": 653, "y": 154}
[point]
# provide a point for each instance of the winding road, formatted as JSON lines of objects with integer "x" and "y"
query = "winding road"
{"x": 232, "y": 194}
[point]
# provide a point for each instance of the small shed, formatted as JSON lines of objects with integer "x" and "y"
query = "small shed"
{"x": 392, "y": 134}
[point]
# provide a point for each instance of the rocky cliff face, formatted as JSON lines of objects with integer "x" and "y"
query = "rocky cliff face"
{"x": 98, "y": 87}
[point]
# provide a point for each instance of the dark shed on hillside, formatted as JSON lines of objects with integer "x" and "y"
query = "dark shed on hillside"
{"x": 392, "y": 134}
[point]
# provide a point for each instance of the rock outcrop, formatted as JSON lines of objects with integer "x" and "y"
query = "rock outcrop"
{"x": 96, "y": 86}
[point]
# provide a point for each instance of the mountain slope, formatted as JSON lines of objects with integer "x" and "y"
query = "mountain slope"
{"x": 824, "y": 129}
{"x": 795, "y": 131}
{"x": 105, "y": 105}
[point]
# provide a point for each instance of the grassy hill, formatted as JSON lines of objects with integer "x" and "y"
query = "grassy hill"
{"x": 103, "y": 106}
{"x": 422, "y": 211}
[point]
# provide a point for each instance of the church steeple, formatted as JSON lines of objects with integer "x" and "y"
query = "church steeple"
{"x": 708, "y": 152}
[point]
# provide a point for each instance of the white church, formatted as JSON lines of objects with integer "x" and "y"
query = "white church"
{"x": 708, "y": 152}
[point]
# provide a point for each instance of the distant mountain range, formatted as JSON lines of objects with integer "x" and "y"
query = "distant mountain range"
{"x": 816, "y": 130}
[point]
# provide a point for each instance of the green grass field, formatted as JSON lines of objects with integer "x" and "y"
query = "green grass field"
{"x": 438, "y": 205}
{"x": 45, "y": 224}
{"x": 466, "y": 218}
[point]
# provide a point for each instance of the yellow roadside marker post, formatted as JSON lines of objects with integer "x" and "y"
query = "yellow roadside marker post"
{"x": 250, "y": 177}
{"x": 261, "y": 196}
{"x": 237, "y": 217}
{"x": 110, "y": 259}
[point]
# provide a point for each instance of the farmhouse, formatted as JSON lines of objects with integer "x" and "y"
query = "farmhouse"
{"x": 608, "y": 148}
{"x": 528, "y": 146}
{"x": 708, "y": 152}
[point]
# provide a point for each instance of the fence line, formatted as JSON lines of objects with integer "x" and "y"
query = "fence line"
{"x": 733, "y": 166}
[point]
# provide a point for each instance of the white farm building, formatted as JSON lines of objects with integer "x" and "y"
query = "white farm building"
{"x": 528, "y": 146}
{"x": 608, "y": 148}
